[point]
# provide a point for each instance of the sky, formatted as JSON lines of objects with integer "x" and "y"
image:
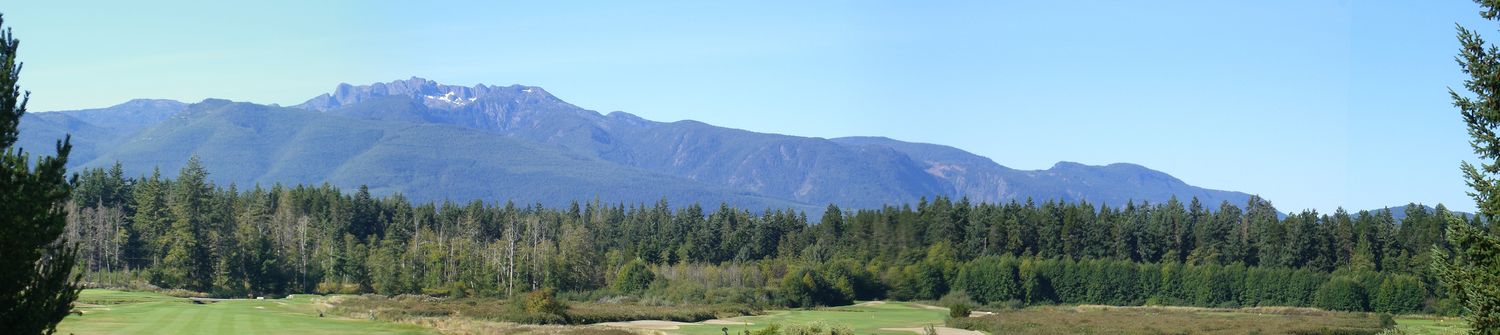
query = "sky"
{"x": 1310, "y": 104}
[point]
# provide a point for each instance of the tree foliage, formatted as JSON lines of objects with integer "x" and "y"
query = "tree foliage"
{"x": 1343, "y": 294}
{"x": 37, "y": 284}
{"x": 1472, "y": 271}
{"x": 634, "y": 277}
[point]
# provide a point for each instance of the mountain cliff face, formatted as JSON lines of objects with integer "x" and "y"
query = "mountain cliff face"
{"x": 432, "y": 141}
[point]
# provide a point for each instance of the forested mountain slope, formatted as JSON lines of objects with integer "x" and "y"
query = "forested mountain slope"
{"x": 431, "y": 141}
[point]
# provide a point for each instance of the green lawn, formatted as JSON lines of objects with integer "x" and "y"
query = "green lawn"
{"x": 1431, "y": 326}
{"x": 863, "y": 319}
{"x": 117, "y": 312}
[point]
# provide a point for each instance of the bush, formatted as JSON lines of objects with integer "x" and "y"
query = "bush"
{"x": 959, "y": 310}
{"x": 1342, "y": 294}
{"x": 634, "y": 277}
{"x": 773, "y": 329}
{"x": 817, "y": 328}
{"x": 1387, "y": 321}
{"x": 544, "y": 305}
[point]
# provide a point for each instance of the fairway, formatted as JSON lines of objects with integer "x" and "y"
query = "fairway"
{"x": 117, "y": 312}
{"x": 864, "y": 318}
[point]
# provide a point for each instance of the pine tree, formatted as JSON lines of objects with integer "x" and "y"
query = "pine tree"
{"x": 37, "y": 287}
{"x": 1472, "y": 272}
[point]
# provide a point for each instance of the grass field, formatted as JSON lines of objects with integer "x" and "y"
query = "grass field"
{"x": 117, "y": 312}
{"x": 1431, "y": 326}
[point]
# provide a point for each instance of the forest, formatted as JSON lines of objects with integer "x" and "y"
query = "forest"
{"x": 190, "y": 234}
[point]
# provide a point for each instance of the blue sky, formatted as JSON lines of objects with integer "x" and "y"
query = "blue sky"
{"x": 1311, "y": 104}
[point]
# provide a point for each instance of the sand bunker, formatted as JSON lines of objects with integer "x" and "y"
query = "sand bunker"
{"x": 940, "y": 331}
{"x": 646, "y": 324}
{"x": 925, "y": 306}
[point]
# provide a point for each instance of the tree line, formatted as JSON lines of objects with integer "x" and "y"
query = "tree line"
{"x": 187, "y": 233}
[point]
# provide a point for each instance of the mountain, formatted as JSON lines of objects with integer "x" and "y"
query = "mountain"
{"x": 806, "y": 170}
{"x": 431, "y": 141}
{"x": 95, "y": 131}
{"x": 1399, "y": 212}
{"x": 980, "y": 178}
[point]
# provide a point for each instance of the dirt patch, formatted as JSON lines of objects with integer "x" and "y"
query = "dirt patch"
{"x": 90, "y": 310}
{"x": 465, "y": 326}
{"x": 646, "y": 324}
{"x": 940, "y": 331}
{"x": 931, "y": 307}
{"x": 870, "y": 303}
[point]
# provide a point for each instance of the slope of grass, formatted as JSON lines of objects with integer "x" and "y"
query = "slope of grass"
{"x": 117, "y": 312}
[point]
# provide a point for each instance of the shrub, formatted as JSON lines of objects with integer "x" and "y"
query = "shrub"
{"x": 1342, "y": 294}
{"x": 634, "y": 277}
{"x": 543, "y": 303}
{"x": 773, "y": 329}
{"x": 959, "y": 310}
{"x": 817, "y": 328}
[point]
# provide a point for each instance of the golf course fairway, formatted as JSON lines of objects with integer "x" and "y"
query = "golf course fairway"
{"x": 118, "y": 312}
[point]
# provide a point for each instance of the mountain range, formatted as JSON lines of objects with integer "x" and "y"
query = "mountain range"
{"x": 431, "y": 142}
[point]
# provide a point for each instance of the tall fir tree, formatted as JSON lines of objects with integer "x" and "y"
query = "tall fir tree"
{"x": 37, "y": 287}
{"x": 1472, "y": 271}
{"x": 187, "y": 263}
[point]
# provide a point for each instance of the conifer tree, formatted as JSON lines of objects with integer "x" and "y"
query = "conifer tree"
{"x": 1472, "y": 271}
{"x": 187, "y": 263}
{"x": 37, "y": 287}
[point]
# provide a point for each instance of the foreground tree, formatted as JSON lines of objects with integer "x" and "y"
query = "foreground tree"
{"x": 1472, "y": 272}
{"x": 37, "y": 286}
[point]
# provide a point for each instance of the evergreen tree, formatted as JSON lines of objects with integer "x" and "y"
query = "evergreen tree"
{"x": 37, "y": 287}
{"x": 151, "y": 221}
{"x": 187, "y": 263}
{"x": 1472, "y": 272}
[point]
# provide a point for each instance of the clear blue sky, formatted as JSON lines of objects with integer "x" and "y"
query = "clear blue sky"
{"x": 1312, "y": 104}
